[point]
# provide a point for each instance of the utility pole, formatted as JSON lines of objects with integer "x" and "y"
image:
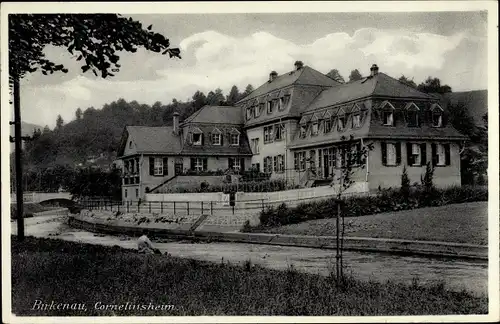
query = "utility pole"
{"x": 18, "y": 148}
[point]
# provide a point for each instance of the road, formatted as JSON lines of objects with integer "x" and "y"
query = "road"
{"x": 457, "y": 274}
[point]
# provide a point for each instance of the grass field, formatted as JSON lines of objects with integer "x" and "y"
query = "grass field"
{"x": 64, "y": 272}
{"x": 461, "y": 223}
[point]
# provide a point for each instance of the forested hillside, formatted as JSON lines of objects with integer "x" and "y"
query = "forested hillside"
{"x": 96, "y": 132}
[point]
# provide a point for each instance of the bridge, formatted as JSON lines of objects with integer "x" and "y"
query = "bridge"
{"x": 38, "y": 197}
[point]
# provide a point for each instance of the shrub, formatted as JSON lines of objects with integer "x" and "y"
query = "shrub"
{"x": 405, "y": 184}
{"x": 385, "y": 200}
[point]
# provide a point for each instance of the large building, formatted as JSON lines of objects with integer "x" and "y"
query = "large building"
{"x": 293, "y": 126}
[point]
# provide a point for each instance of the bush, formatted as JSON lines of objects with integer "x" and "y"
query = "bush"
{"x": 385, "y": 200}
{"x": 251, "y": 186}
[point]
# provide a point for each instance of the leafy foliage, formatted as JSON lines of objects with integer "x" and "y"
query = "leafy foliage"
{"x": 355, "y": 75}
{"x": 95, "y": 182}
{"x": 335, "y": 75}
{"x": 94, "y": 39}
{"x": 433, "y": 85}
{"x": 409, "y": 82}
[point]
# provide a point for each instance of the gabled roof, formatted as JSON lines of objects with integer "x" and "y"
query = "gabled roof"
{"x": 151, "y": 139}
{"x": 216, "y": 115}
{"x": 380, "y": 85}
{"x": 303, "y": 76}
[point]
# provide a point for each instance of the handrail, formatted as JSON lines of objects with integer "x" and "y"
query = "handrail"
{"x": 162, "y": 184}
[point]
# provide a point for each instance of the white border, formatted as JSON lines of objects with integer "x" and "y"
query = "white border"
{"x": 264, "y": 7}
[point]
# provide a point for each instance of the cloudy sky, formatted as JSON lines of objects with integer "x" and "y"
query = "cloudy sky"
{"x": 219, "y": 50}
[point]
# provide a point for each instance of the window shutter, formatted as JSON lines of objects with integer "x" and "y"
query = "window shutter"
{"x": 384, "y": 153}
{"x": 230, "y": 163}
{"x": 165, "y": 166}
{"x": 295, "y": 162}
{"x": 210, "y": 141}
{"x": 221, "y": 138}
{"x": 242, "y": 164}
{"x": 151, "y": 165}
{"x": 434, "y": 155}
{"x": 275, "y": 163}
{"x": 193, "y": 162}
{"x": 190, "y": 138}
{"x": 205, "y": 164}
{"x": 447, "y": 154}
{"x": 423, "y": 153}
{"x": 409, "y": 155}
{"x": 202, "y": 139}
{"x": 334, "y": 157}
{"x": 398, "y": 153}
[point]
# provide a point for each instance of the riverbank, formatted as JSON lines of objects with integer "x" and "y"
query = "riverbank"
{"x": 61, "y": 271}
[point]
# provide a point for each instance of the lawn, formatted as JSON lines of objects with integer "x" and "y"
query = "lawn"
{"x": 460, "y": 223}
{"x": 65, "y": 272}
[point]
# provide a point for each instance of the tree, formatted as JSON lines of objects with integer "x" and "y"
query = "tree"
{"x": 78, "y": 114}
{"x": 355, "y": 75}
{"x": 403, "y": 79}
{"x": 199, "y": 100}
{"x": 215, "y": 98}
{"x": 248, "y": 90}
{"x": 335, "y": 75}
{"x": 405, "y": 185}
{"x": 233, "y": 96}
{"x": 353, "y": 157}
{"x": 95, "y": 38}
{"x": 59, "y": 122}
{"x": 461, "y": 119}
{"x": 433, "y": 85}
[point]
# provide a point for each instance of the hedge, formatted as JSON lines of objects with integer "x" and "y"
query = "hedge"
{"x": 385, "y": 200}
{"x": 250, "y": 186}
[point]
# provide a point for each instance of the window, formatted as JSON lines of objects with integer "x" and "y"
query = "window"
{"x": 249, "y": 112}
{"x": 137, "y": 193}
{"x": 216, "y": 139}
{"x": 341, "y": 123}
{"x": 256, "y": 166}
{"x": 199, "y": 164}
{"x": 388, "y": 117}
{"x": 312, "y": 159}
{"x": 234, "y": 163}
{"x": 412, "y": 114}
{"x": 130, "y": 144}
{"x": 271, "y": 105}
{"x": 416, "y": 154}
{"x": 339, "y": 158}
{"x": 197, "y": 138}
{"x": 303, "y": 130}
{"x": 255, "y": 145}
{"x": 437, "y": 119}
{"x": 327, "y": 125}
{"x": 235, "y": 139}
{"x": 284, "y": 101}
{"x": 268, "y": 134}
{"x": 441, "y": 154}
{"x": 300, "y": 161}
{"x": 268, "y": 164}
{"x": 126, "y": 193}
{"x": 391, "y": 153}
{"x": 158, "y": 167}
{"x": 356, "y": 121}
{"x": 258, "y": 109}
{"x": 281, "y": 163}
{"x": 279, "y": 129}
{"x": 314, "y": 129}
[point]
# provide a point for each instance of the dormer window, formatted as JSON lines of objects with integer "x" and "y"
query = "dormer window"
{"x": 284, "y": 101}
{"x": 388, "y": 117}
{"x": 216, "y": 137}
{"x": 197, "y": 139}
{"x": 234, "y": 138}
{"x": 387, "y": 113}
{"x": 303, "y": 130}
{"x": 130, "y": 144}
{"x": 259, "y": 108}
{"x": 437, "y": 115}
{"x": 249, "y": 112}
{"x": 327, "y": 123}
{"x": 314, "y": 128}
{"x": 271, "y": 105}
{"x": 341, "y": 123}
{"x": 356, "y": 120}
{"x": 412, "y": 113}
{"x": 197, "y": 136}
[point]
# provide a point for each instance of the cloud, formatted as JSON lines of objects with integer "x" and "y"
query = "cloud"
{"x": 212, "y": 59}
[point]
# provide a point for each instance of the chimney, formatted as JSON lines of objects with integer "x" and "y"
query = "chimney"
{"x": 374, "y": 70}
{"x": 273, "y": 75}
{"x": 175, "y": 119}
{"x": 298, "y": 65}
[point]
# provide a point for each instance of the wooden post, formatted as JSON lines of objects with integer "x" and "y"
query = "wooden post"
{"x": 187, "y": 207}
{"x": 127, "y": 206}
{"x": 337, "y": 257}
{"x": 150, "y": 207}
{"x": 161, "y": 207}
{"x": 174, "y": 207}
{"x": 138, "y": 206}
{"x": 211, "y": 207}
{"x": 202, "y": 207}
